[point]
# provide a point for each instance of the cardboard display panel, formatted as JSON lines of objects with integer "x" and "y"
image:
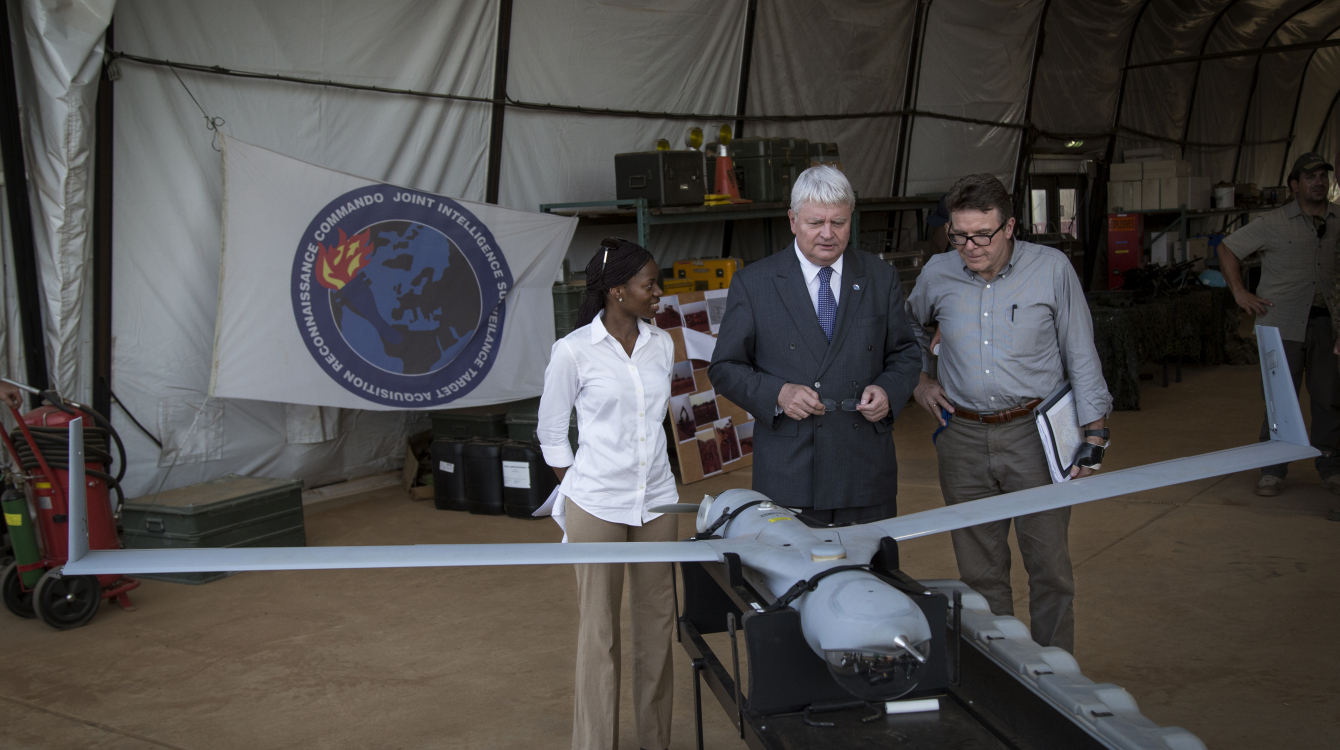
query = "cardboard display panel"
{"x": 712, "y": 435}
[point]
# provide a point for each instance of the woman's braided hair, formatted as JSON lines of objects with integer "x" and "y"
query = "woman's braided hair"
{"x": 614, "y": 263}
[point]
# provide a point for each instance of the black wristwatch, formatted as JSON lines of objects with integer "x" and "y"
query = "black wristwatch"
{"x": 1090, "y": 456}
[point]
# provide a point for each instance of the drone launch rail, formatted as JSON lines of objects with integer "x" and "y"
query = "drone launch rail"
{"x": 983, "y": 705}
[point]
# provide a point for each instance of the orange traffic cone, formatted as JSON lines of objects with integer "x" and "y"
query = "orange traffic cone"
{"x": 725, "y": 182}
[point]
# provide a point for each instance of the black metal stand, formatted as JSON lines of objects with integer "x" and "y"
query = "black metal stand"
{"x": 982, "y": 706}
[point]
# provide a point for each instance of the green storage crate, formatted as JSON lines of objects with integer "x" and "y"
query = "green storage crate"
{"x": 229, "y": 512}
{"x": 764, "y": 179}
{"x": 523, "y": 417}
{"x": 568, "y": 297}
{"x": 477, "y": 421}
{"x": 567, "y": 301}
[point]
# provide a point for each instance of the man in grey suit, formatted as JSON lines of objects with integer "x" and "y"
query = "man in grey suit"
{"x": 815, "y": 343}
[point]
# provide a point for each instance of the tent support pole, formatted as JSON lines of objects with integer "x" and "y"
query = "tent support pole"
{"x": 501, "y": 53}
{"x": 741, "y": 99}
{"x": 1121, "y": 85}
{"x": 1195, "y": 77}
{"x": 1091, "y": 250}
{"x": 910, "y": 87}
{"x": 1298, "y": 102}
{"x": 1325, "y": 121}
{"x": 1026, "y": 137}
{"x": 102, "y": 244}
{"x": 1256, "y": 76}
{"x": 20, "y": 215}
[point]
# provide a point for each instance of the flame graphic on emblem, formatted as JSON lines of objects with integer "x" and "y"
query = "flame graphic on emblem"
{"x": 338, "y": 264}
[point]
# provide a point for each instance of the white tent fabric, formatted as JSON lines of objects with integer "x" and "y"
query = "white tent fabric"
{"x": 853, "y": 59}
{"x": 686, "y": 55}
{"x": 58, "y": 58}
{"x": 1241, "y": 118}
{"x": 168, "y": 191}
{"x": 977, "y": 62}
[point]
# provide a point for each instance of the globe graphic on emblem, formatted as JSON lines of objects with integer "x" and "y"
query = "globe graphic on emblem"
{"x": 402, "y": 294}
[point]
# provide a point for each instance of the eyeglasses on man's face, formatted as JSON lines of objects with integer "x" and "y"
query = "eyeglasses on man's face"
{"x": 980, "y": 240}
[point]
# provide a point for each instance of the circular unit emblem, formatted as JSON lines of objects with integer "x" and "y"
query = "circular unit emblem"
{"x": 398, "y": 295}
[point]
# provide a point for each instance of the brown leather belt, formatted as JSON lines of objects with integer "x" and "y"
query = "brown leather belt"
{"x": 998, "y": 417}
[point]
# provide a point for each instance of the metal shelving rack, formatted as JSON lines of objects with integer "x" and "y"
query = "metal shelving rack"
{"x": 1184, "y": 215}
{"x": 637, "y": 211}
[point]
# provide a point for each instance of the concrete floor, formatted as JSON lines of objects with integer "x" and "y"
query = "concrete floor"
{"x": 1212, "y": 606}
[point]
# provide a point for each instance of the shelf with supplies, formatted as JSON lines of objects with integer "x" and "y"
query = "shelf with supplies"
{"x": 639, "y": 212}
{"x": 1182, "y": 223}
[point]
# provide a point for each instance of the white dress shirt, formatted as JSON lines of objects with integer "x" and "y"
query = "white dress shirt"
{"x": 621, "y": 467}
{"x": 811, "y": 272}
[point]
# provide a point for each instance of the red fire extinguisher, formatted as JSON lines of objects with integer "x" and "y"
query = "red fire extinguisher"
{"x": 33, "y": 585}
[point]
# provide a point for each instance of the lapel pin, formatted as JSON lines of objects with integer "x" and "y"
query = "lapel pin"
{"x": 856, "y": 287}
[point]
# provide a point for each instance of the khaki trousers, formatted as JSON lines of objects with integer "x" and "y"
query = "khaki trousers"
{"x": 984, "y": 460}
{"x": 595, "y": 719}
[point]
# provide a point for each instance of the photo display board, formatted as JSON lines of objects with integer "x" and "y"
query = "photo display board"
{"x": 712, "y": 435}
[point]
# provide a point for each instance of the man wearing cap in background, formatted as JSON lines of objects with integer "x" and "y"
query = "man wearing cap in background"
{"x": 1297, "y": 246}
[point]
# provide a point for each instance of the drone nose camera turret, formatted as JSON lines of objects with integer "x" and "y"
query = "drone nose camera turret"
{"x": 879, "y": 675}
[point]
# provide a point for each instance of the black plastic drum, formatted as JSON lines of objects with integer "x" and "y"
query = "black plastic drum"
{"x": 449, "y": 473}
{"x": 482, "y": 458}
{"x": 527, "y": 479}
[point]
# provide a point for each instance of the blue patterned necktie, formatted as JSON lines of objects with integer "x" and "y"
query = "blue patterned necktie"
{"x": 827, "y": 304}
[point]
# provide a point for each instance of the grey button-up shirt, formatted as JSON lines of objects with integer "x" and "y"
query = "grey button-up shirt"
{"x": 1014, "y": 338}
{"x": 1295, "y": 265}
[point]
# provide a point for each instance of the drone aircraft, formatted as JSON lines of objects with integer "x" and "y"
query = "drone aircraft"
{"x": 873, "y": 637}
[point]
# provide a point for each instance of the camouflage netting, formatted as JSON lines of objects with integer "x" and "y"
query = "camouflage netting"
{"x": 1200, "y": 326}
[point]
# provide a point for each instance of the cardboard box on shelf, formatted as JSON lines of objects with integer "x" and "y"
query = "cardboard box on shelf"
{"x": 1149, "y": 194}
{"x": 1127, "y": 172}
{"x": 1123, "y": 196}
{"x": 1198, "y": 248}
{"x": 1167, "y": 168}
{"x": 1200, "y": 194}
{"x": 1131, "y": 196}
{"x": 1173, "y": 192}
{"x": 1163, "y": 250}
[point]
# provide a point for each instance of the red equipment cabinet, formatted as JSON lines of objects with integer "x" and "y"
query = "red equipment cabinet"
{"x": 1125, "y": 246}
{"x": 51, "y": 500}
{"x": 40, "y": 448}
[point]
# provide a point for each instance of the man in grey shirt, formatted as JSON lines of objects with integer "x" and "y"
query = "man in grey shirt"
{"x": 1014, "y": 329}
{"x": 1296, "y": 243}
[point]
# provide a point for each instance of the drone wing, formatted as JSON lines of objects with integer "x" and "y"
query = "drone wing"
{"x": 1288, "y": 442}
{"x": 83, "y": 561}
{"x": 98, "y": 562}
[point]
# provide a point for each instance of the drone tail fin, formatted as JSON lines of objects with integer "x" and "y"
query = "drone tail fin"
{"x": 77, "y": 498}
{"x": 1286, "y": 419}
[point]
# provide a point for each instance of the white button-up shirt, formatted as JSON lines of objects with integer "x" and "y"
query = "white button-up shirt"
{"x": 621, "y": 467}
{"x": 811, "y": 272}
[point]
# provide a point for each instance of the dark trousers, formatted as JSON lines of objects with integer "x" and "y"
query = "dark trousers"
{"x": 1315, "y": 358}
{"x": 984, "y": 460}
{"x": 862, "y": 514}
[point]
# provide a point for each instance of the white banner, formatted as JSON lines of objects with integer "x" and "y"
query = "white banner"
{"x": 340, "y": 291}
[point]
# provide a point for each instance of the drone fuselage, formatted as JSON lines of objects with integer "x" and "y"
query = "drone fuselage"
{"x": 873, "y": 637}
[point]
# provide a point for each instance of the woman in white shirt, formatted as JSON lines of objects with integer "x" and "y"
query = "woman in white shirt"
{"x": 615, "y": 369}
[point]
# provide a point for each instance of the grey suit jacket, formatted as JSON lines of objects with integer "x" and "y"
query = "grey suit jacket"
{"x": 770, "y": 336}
